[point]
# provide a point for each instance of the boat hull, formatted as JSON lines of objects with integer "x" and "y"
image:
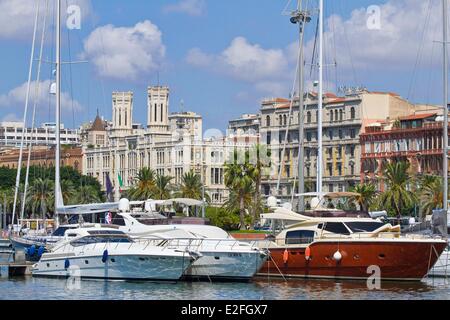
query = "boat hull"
{"x": 397, "y": 260}
{"x": 226, "y": 266}
{"x": 116, "y": 267}
{"x": 442, "y": 266}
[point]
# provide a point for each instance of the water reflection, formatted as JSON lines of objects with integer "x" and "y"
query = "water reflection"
{"x": 260, "y": 289}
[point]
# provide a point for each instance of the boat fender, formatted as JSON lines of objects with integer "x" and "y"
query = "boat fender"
{"x": 40, "y": 251}
{"x": 337, "y": 256}
{"x": 66, "y": 264}
{"x": 105, "y": 256}
{"x": 32, "y": 250}
{"x": 285, "y": 256}
{"x": 308, "y": 253}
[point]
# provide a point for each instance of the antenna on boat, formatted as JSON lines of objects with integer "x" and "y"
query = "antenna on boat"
{"x": 445, "y": 133}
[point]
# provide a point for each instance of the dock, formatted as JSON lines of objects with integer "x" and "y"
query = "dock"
{"x": 15, "y": 269}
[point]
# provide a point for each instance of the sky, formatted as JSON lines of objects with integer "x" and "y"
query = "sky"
{"x": 221, "y": 58}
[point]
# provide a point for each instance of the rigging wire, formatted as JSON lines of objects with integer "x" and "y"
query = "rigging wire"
{"x": 419, "y": 51}
{"x": 36, "y": 100}
{"x": 30, "y": 71}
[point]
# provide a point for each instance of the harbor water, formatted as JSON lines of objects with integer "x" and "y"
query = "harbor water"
{"x": 24, "y": 288}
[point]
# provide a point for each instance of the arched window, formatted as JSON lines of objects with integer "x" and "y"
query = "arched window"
{"x": 336, "y": 115}
{"x": 285, "y": 120}
{"x": 331, "y": 116}
{"x": 317, "y": 116}
{"x": 268, "y": 121}
{"x": 352, "y": 113}
{"x": 280, "y": 120}
{"x": 308, "y": 117}
{"x": 341, "y": 115}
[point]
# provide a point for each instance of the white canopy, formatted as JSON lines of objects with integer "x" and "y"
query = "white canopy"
{"x": 185, "y": 201}
{"x": 87, "y": 208}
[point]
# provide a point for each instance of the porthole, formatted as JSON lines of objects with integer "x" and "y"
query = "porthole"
{"x": 381, "y": 256}
{"x": 356, "y": 257}
{"x": 86, "y": 261}
{"x": 217, "y": 258}
{"x": 48, "y": 265}
{"x": 113, "y": 260}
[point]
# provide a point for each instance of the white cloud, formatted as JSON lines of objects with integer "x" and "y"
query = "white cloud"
{"x": 267, "y": 69}
{"x": 125, "y": 53}
{"x": 14, "y": 100}
{"x": 395, "y": 44}
{"x": 17, "y": 16}
{"x": 11, "y": 117}
{"x": 190, "y": 7}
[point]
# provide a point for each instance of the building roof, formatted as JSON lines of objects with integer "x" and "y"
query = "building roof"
{"x": 98, "y": 125}
{"x": 418, "y": 116}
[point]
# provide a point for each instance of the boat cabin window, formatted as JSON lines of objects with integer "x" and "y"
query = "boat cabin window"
{"x": 336, "y": 227}
{"x": 300, "y": 237}
{"x": 102, "y": 237}
{"x": 59, "y": 232}
{"x": 364, "y": 226}
{"x": 118, "y": 220}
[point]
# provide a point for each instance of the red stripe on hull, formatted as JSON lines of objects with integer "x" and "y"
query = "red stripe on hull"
{"x": 397, "y": 260}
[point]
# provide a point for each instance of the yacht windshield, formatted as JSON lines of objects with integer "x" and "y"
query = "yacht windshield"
{"x": 356, "y": 227}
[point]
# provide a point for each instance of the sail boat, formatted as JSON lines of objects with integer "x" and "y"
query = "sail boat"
{"x": 344, "y": 247}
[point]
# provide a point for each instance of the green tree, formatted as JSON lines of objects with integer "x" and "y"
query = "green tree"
{"x": 432, "y": 194}
{"x": 87, "y": 194}
{"x": 367, "y": 193}
{"x": 145, "y": 186}
{"x": 239, "y": 180}
{"x": 163, "y": 187}
{"x": 398, "y": 195}
{"x": 40, "y": 198}
{"x": 68, "y": 192}
{"x": 258, "y": 163}
{"x": 191, "y": 186}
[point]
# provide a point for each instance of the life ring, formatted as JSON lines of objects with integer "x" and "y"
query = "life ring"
{"x": 308, "y": 253}
{"x": 285, "y": 256}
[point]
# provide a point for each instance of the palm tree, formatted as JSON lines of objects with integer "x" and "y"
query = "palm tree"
{"x": 366, "y": 195}
{"x": 192, "y": 187}
{"x": 163, "y": 187}
{"x": 432, "y": 195}
{"x": 398, "y": 196}
{"x": 68, "y": 191}
{"x": 87, "y": 194}
{"x": 259, "y": 162}
{"x": 145, "y": 186}
{"x": 40, "y": 197}
{"x": 238, "y": 179}
{"x": 239, "y": 199}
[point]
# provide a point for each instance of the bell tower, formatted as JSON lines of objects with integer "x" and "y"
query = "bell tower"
{"x": 158, "y": 109}
{"x": 122, "y": 103}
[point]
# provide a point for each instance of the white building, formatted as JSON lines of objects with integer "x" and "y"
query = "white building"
{"x": 11, "y": 134}
{"x": 172, "y": 145}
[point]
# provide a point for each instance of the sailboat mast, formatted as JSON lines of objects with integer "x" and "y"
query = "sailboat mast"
{"x": 445, "y": 133}
{"x": 304, "y": 18}
{"x": 320, "y": 105}
{"x": 58, "y": 107}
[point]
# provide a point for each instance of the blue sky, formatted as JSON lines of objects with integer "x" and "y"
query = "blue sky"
{"x": 220, "y": 57}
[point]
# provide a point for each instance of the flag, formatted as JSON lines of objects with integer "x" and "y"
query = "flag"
{"x": 120, "y": 183}
{"x": 108, "y": 218}
{"x": 109, "y": 187}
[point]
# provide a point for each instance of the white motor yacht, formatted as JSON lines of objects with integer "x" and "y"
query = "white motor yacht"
{"x": 222, "y": 256}
{"x": 108, "y": 253}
